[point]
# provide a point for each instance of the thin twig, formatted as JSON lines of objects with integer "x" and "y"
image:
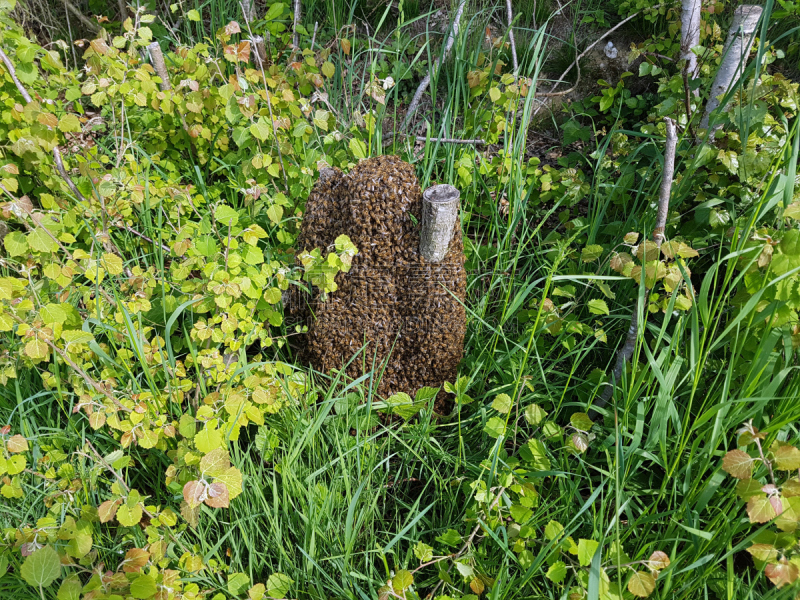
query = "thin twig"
{"x": 467, "y": 543}
{"x": 476, "y": 142}
{"x": 164, "y": 247}
{"x": 423, "y": 85}
{"x": 314, "y": 37}
{"x": 626, "y": 352}
{"x": 107, "y": 243}
{"x": 269, "y": 101}
{"x": 585, "y": 52}
{"x": 511, "y": 37}
{"x": 13, "y": 73}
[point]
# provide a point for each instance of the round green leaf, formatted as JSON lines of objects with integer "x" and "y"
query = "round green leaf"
{"x": 42, "y": 567}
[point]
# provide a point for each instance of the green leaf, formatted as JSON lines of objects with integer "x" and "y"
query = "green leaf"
{"x": 553, "y": 530}
{"x": 495, "y": 93}
{"x": 40, "y": 241}
{"x": 557, "y": 572}
{"x": 328, "y": 69}
{"x": 402, "y": 580}
{"x": 70, "y": 588}
{"x": 450, "y": 538}
{"x": 226, "y": 215}
{"x": 42, "y": 567}
{"x": 591, "y": 253}
{"x": 16, "y": 244}
{"x": 275, "y": 213}
{"x": 143, "y": 587}
{"x": 534, "y": 414}
{"x": 423, "y": 552}
{"x": 272, "y": 295}
{"x": 495, "y": 427}
{"x": 238, "y": 583}
{"x": 358, "y": 148}
{"x": 193, "y": 15}
{"x": 586, "y": 550}
{"x": 69, "y": 123}
{"x": 502, "y": 403}
{"x": 129, "y": 516}
{"x": 278, "y": 584}
{"x": 598, "y": 307}
{"x": 260, "y": 130}
{"x": 208, "y": 439}
{"x": 641, "y": 584}
{"x": 534, "y": 452}
{"x": 186, "y": 426}
{"x": 581, "y": 421}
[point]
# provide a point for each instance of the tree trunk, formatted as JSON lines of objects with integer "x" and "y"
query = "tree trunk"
{"x": 690, "y": 35}
{"x": 734, "y": 56}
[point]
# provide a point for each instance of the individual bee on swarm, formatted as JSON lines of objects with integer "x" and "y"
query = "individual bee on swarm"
{"x": 409, "y": 270}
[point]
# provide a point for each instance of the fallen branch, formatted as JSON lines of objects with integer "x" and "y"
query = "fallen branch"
{"x": 476, "y": 142}
{"x": 92, "y": 25}
{"x": 423, "y": 85}
{"x": 511, "y": 37}
{"x": 560, "y": 80}
{"x": 626, "y": 352}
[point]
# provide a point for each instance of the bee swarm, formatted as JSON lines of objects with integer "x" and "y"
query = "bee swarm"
{"x": 402, "y": 309}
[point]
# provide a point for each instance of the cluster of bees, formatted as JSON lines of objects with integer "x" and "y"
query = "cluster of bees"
{"x": 398, "y": 314}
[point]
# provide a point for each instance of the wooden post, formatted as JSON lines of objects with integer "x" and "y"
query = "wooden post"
{"x": 157, "y": 58}
{"x": 734, "y": 55}
{"x": 439, "y": 214}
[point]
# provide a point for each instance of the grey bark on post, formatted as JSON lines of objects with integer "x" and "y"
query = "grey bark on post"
{"x": 439, "y": 214}
{"x": 157, "y": 58}
{"x": 734, "y": 55}
{"x": 690, "y": 35}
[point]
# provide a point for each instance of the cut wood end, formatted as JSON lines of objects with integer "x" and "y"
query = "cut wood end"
{"x": 441, "y": 194}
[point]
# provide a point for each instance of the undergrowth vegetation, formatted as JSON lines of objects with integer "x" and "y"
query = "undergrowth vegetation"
{"x": 160, "y": 437}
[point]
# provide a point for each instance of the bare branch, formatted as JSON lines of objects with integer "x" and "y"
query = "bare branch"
{"x": 157, "y": 58}
{"x": 511, "y": 37}
{"x": 13, "y": 73}
{"x": 585, "y": 52}
{"x": 626, "y": 352}
{"x": 423, "y": 85}
{"x": 666, "y": 181}
{"x": 260, "y": 62}
{"x": 92, "y": 25}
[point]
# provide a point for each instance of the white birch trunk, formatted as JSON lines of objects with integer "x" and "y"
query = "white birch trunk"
{"x": 734, "y": 56}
